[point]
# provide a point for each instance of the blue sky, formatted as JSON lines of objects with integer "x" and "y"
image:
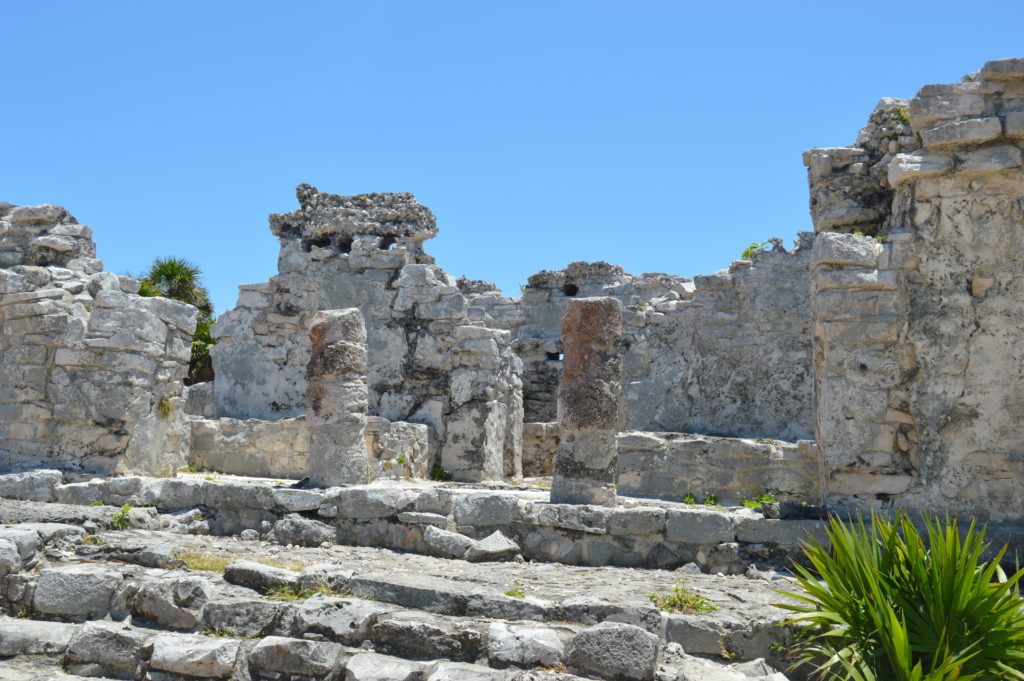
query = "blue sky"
{"x": 662, "y": 136}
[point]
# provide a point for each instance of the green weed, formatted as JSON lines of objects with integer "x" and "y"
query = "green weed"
{"x": 682, "y": 600}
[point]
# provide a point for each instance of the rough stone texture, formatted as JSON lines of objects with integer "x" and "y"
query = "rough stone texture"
{"x": 280, "y": 449}
{"x": 589, "y": 403}
{"x": 90, "y": 373}
{"x": 850, "y": 186}
{"x": 726, "y": 354}
{"x": 397, "y": 449}
{"x": 106, "y": 649}
{"x": 918, "y": 376}
{"x": 198, "y": 656}
{"x": 494, "y": 546}
{"x": 25, "y": 637}
{"x": 76, "y": 591}
{"x": 336, "y": 398}
{"x": 366, "y": 251}
{"x": 616, "y": 651}
{"x": 672, "y": 465}
{"x": 272, "y": 449}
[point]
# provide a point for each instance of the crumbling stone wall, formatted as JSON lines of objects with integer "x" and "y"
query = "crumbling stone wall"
{"x": 725, "y": 354}
{"x": 918, "y": 338}
{"x": 366, "y": 251}
{"x": 849, "y": 186}
{"x": 90, "y": 373}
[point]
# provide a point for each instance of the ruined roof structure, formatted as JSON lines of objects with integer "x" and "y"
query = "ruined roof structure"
{"x": 474, "y": 472}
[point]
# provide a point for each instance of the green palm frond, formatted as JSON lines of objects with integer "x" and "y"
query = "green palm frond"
{"x": 888, "y": 603}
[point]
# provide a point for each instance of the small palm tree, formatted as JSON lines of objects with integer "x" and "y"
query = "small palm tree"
{"x": 177, "y": 279}
{"x": 180, "y": 279}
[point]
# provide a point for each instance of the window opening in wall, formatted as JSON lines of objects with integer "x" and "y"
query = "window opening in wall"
{"x": 570, "y": 289}
{"x": 320, "y": 242}
{"x": 554, "y": 356}
{"x": 345, "y": 244}
{"x": 387, "y": 243}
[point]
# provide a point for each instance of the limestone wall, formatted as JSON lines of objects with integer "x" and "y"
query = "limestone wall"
{"x": 367, "y": 251}
{"x": 918, "y": 338}
{"x": 90, "y": 373}
{"x": 671, "y": 465}
{"x": 280, "y": 449}
{"x": 271, "y": 449}
{"x": 726, "y": 354}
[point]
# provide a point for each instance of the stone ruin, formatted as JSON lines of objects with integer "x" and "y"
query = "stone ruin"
{"x": 873, "y": 366}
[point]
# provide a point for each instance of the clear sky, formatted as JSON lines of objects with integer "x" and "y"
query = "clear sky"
{"x": 662, "y": 136}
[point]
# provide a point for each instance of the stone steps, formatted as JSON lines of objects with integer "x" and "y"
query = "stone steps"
{"x": 402, "y": 619}
{"x": 451, "y": 520}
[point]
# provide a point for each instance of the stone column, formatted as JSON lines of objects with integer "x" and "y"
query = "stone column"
{"x": 589, "y": 402}
{"x": 336, "y": 398}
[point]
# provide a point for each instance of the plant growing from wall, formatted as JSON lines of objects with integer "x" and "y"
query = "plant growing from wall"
{"x": 886, "y": 603}
{"x": 439, "y": 473}
{"x": 180, "y": 279}
{"x": 752, "y": 249}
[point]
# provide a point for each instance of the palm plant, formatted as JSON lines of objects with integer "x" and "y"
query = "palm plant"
{"x": 890, "y": 605}
{"x": 180, "y": 279}
{"x": 177, "y": 279}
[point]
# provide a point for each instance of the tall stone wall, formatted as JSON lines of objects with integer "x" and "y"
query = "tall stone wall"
{"x": 920, "y": 374}
{"x": 90, "y": 373}
{"x": 366, "y": 252}
{"x": 725, "y": 354}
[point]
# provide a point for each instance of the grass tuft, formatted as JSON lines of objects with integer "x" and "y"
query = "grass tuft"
{"x": 683, "y": 600}
{"x": 297, "y": 592}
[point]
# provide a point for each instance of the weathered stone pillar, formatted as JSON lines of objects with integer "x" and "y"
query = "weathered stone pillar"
{"x": 589, "y": 402}
{"x": 336, "y": 398}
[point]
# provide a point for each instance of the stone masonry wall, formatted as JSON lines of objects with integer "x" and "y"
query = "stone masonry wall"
{"x": 280, "y": 449}
{"x": 90, "y": 373}
{"x": 671, "y": 465}
{"x": 918, "y": 338}
{"x": 726, "y": 354}
{"x": 366, "y": 251}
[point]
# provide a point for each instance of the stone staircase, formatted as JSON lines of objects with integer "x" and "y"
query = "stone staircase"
{"x": 86, "y": 596}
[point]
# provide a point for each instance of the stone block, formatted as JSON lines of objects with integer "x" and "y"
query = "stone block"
{"x": 617, "y": 651}
{"x": 590, "y": 519}
{"x": 365, "y": 502}
{"x": 632, "y": 521}
{"x": 374, "y": 667}
{"x": 338, "y": 619}
{"x": 924, "y": 111}
{"x": 485, "y": 509}
{"x": 483, "y": 603}
{"x": 789, "y": 534}
{"x": 845, "y": 249}
{"x": 969, "y": 131}
{"x": 76, "y": 591}
{"x": 1015, "y": 124}
{"x": 174, "y": 603}
{"x": 914, "y": 166}
{"x": 258, "y": 576}
{"x": 525, "y": 646}
{"x": 279, "y": 655}
{"x": 295, "y": 500}
{"x": 1003, "y": 69}
{"x": 412, "y": 591}
{"x": 194, "y": 656}
{"x": 989, "y": 159}
{"x": 108, "y": 649}
{"x": 27, "y": 637}
{"x": 699, "y": 526}
{"x": 447, "y": 544}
